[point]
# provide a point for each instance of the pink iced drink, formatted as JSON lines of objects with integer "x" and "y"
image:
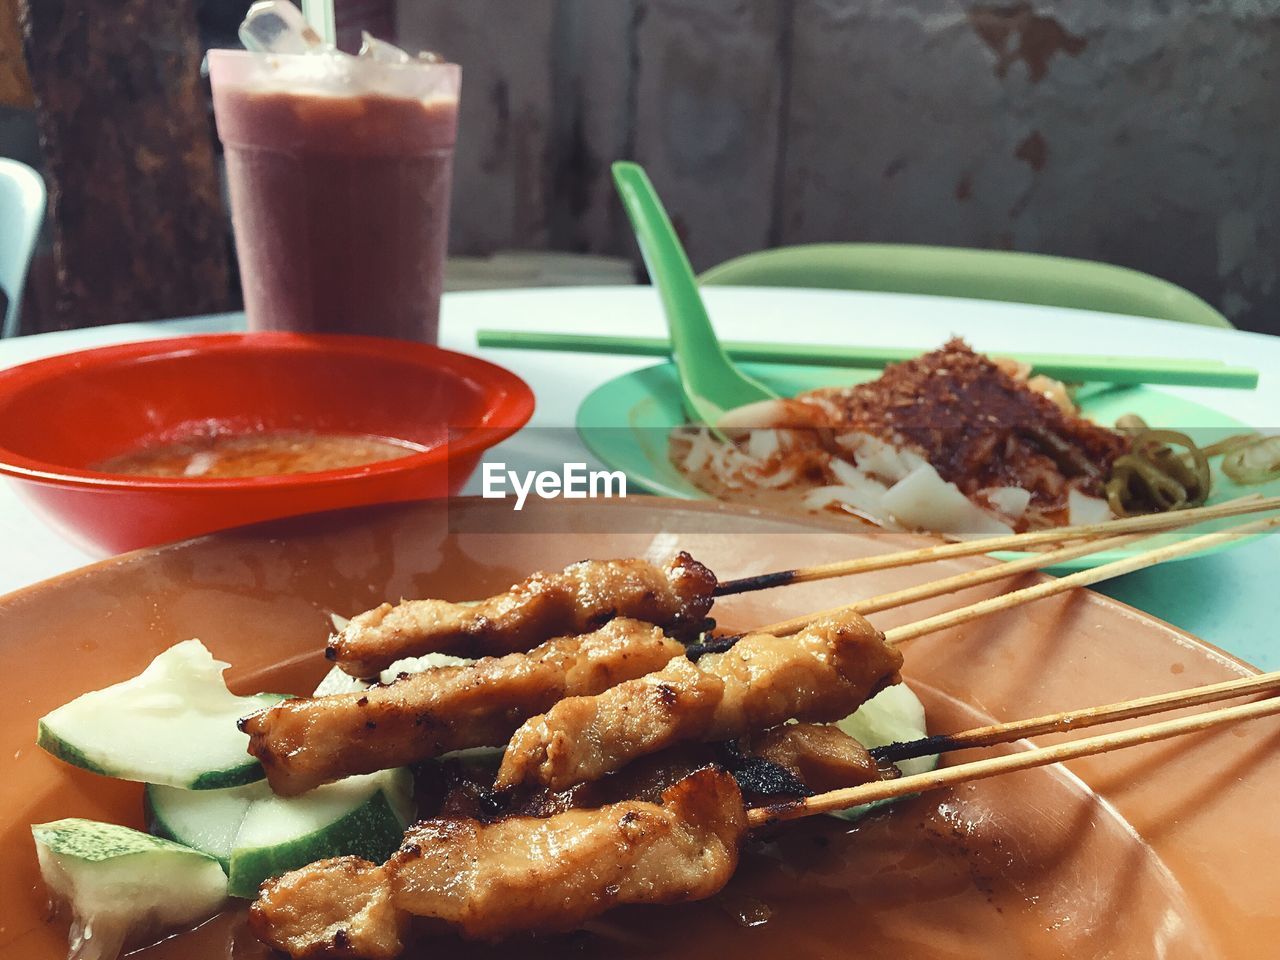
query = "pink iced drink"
{"x": 339, "y": 172}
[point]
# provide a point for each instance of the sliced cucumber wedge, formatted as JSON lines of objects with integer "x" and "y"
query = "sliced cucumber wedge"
{"x": 257, "y": 835}
{"x": 360, "y": 816}
{"x": 893, "y": 715}
{"x": 205, "y": 820}
{"x": 125, "y": 888}
{"x": 174, "y": 723}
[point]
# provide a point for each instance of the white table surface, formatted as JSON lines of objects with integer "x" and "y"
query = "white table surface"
{"x": 1229, "y": 598}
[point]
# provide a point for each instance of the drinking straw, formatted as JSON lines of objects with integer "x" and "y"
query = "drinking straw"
{"x": 319, "y": 14}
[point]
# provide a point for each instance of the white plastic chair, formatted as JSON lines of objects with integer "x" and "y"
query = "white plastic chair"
{"x": 22, "y": 200}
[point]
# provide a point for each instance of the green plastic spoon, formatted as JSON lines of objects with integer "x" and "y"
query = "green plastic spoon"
{"x": 709, "y": 381}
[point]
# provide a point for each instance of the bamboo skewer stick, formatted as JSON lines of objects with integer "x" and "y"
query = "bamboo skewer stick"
{"x": 1081, "y": 578}
{"x": 1081, "y": 719}
{"x": 1149, "y": 523}
{"x": 1010, "y": 763}
{"x": 961, "y": 581}
{"x": 1048, "y": 588}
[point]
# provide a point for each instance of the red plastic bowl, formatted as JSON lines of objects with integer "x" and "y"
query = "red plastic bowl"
{"x": 61, "y": 414}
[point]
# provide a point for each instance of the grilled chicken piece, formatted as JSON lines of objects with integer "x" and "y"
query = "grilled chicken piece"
{"x": 340, "y": 908}
{"x": 543, "y": 875}
{"x": 521, "y": 874}
{"x": 794, "y": 760}
{"x": 820, "y": 674}
{"x": 583, "y": 597}
{"x": 821, "y": 756}
{"x": 306, "y": 742}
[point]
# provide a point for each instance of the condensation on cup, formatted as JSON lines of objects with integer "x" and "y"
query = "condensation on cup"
{"x": 339, "y": 170}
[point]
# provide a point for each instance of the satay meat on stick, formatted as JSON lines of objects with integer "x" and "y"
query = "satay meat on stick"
{"x": 581, "y": 598}
{"x": 305, "y": 742}
{"x": 820, "y": 675}
{"x": 520, "y": 874}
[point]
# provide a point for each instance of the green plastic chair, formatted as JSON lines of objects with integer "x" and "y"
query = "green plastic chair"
{"x": 971, "y": 274}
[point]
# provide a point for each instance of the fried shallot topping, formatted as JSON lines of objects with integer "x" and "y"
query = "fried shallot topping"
{"x": 977, "y": 425}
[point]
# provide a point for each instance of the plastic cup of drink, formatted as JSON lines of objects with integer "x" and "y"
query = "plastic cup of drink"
{"x": 339, "y": 170}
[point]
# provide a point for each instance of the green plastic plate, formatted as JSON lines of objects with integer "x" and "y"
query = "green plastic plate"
{"x": 625, "y": 422}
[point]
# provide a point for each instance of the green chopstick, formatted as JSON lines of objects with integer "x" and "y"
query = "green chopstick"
{"x": 1061, "y": 366}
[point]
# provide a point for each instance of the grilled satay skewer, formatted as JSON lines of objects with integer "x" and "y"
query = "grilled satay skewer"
{"x": 821, "y": 674}
{"x": 305, "y": 742}
{"x": 723, "y": 696}
{"x": 490, "y": 881}
{"x": 1147, "y": 524}
{"x": 1080, "y": 719}
{"x": 1009, "y": 763}
{"x": 355, "y": 908}
{"x": 581, "y": 598}
{"x": 677, "y": 596}
{"x": 1046, "y": 588}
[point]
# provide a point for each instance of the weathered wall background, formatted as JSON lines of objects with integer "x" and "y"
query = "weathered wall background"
{"x": 1143, "y": 132}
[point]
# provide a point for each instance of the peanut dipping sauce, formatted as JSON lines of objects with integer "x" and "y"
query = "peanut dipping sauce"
{"x": 945, "y": 876}
{"x": 257, "y": 454}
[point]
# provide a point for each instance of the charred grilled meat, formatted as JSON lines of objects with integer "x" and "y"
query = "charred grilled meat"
{"x": 582, "y": 597}
{"x": 520, "y": 874}
{"x": 331, "y": 908}
{"x": 821, "y": 674}
{"x": 306, "y": 742}
{"x": 820, "y": 756}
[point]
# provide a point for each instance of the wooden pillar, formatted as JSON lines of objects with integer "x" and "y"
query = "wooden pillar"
{"x": 135, "y": 205}
{"x": 15, "y": 87}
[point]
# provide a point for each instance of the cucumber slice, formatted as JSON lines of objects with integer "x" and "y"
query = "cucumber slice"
{"x": 205, "y": 820}
{"x": 361, "y": 816}
{"x": 174, "y": 723}
{"x": 257, "y": 835}
{"x": 893, "y": 715}
{"x": 125, "y": 888}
